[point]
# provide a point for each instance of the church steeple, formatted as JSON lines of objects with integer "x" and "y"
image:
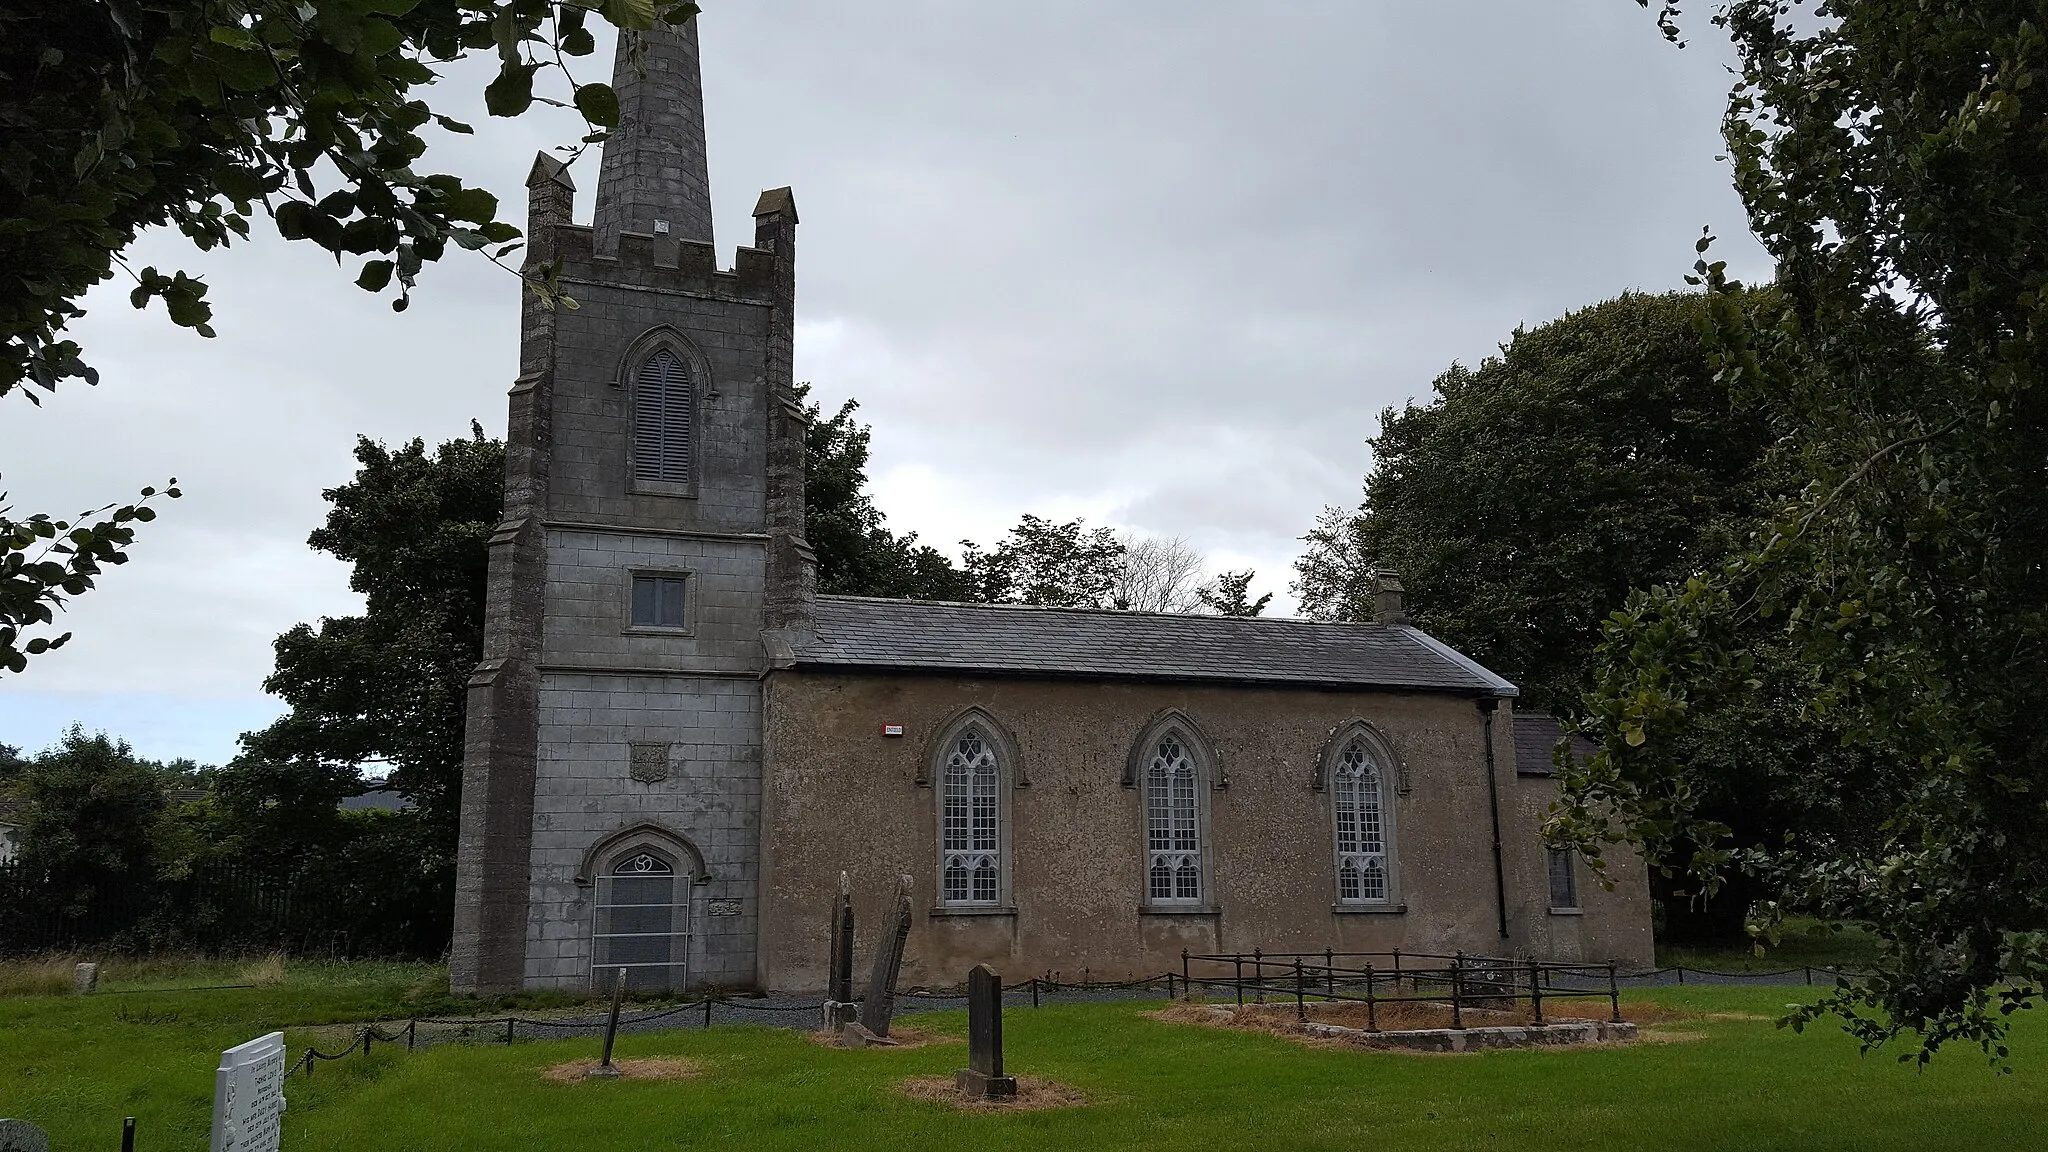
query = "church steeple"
{"x": 654, "y": 179}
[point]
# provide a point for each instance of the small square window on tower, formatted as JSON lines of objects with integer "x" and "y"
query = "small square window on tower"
{"x": 658, "y": 601}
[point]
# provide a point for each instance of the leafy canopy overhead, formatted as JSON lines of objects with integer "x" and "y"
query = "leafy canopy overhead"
{"x": 1893, "y": 158}
{"x": 200, "y": 115}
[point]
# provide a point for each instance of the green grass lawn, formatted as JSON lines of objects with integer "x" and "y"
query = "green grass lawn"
{"x": 77, "y": 1065}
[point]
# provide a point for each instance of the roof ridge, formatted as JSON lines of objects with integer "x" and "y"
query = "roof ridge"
{"x": 1113, "y": 612}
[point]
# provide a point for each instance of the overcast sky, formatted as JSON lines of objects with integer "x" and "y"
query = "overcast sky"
{"x": 1159, "y": 265}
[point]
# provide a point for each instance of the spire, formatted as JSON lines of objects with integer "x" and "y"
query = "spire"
{"x": 654, "y": 179}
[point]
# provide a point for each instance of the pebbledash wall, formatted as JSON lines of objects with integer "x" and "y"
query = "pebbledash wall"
{"x": 839, "y": 794}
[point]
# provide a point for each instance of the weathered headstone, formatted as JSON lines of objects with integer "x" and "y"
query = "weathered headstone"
{"x": 839, "y": 1008}
{"x": 85, "y": 979}
{"x": 248, "y": 1096}
{"x": 983, "y": 1075}
{"x": 22, "y": 1136}
{"x": 878, "y": 1007}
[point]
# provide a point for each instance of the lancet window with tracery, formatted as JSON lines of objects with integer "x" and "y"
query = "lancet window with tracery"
{"x": 970, "y": 823}
{"x": 1173, "y": 825}
{"x": 1357, "y": 782}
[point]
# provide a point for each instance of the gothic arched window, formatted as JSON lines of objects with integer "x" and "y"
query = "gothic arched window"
{"x": 664, "y": 404}
{"x": 1173, "y": 824}
{"x": 971, "y": 822}
{"x": 1357, "y": 785}
{"x": 643, "y": 923}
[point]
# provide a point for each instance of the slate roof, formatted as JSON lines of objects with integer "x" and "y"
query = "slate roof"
{"x": 1535, "y": 735}
{"x": 1015, "y": 640}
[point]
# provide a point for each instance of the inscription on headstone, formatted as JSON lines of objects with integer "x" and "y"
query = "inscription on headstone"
{"x": 983, "y": 1075}
{"x": 878, "y": 1007}
{"x": 22, "y": 1136}
{"x": 248, "y": 1096}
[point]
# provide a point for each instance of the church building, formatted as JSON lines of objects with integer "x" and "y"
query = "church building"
{"x": 676, "y": 747}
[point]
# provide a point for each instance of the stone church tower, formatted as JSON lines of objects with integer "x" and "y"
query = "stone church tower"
{"x": 650, "y": 561}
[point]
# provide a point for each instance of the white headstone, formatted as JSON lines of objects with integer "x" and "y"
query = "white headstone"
{"x": 248, "y": 1096}
{"x": 22, "y": 1136}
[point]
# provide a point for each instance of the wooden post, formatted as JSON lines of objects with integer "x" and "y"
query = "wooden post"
{"x": 1372, "y": 1015}
{"x": 1458, "y": 990}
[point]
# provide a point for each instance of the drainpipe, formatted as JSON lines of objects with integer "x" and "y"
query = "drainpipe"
{"x": 1487, "y": 705}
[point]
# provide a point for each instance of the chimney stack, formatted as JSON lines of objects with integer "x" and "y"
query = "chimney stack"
{"x": 1386, "y": 598}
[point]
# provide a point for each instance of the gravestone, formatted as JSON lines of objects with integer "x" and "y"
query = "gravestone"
{"x": 85, "y": 979}
{"x": 22, "y": 1136}
{"x": 248, "y": 1096}
{"x": 839, "y": 1008}
{"x": 878, "y": 1007}
{"x": 983, "y": 1075}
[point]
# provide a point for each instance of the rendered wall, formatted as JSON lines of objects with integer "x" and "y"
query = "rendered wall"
{"x": 837, "y": 794}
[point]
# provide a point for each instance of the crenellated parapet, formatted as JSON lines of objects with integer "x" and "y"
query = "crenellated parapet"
{"x": 665, "y": 263}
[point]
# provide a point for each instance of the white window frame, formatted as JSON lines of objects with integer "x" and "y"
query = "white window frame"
{"x": 1171, "y": 789}
{"x": 973, "y": 816}
{"x": 1360, "y": 820}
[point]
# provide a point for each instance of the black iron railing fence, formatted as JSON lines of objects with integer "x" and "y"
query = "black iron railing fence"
{"x": 1373, "y": 979}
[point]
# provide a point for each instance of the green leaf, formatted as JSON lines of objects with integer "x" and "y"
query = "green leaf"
{"x": 233, "y": 36}
{"x": 636, "y": 15}
{"x": 376, "y": 274}
{"x": 512, "y": 92}
{"x": 294, "y": 219}
{"x": 599, "y": 104}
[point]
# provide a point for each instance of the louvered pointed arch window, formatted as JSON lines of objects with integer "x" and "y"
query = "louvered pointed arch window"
{"x": 664, "y": 402}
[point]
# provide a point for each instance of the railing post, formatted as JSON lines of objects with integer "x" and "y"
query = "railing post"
{"x": 1536, "y": 989}
{"x": 1169, "y": 986}
{"x": 1259, "y": 973}
{"x": 1034, "y": 990}
{"x": 1300, "y": 1002}
{"x": 1397, "y": 971}
{"x": 1458, "y": 989}
{"x": 1372, "y": 1015}
{"x": 508, "y": 1029}
{"x": 707, "y": 1009}
{"x": 1809, "y": 975}
{"x": 1329, "y": 973}
{"x": 1237, "y": 959}
{"x": 1681, "y": 973}
{"x": 1613, "y": 993}
{"x": 412, "y": 1028}
{"x": 1183, "y": 968}
{"x": 367, "y": 1033}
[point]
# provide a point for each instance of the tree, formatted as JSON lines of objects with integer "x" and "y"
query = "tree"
{"x": 1597, "y": 453}
{"x": 45, "y": 562}
{"x": 1158, "y": 574}
{"x": 389, "y": 686}
{"x": 1040, "y": 562}
{"x": 857, "y": 554}
{"x": 1890, "y": 157}
{"x": 1230, "y": 595}
{"x": 92, "y": 808}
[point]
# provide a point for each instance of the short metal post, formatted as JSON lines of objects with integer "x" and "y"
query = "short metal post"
{"x": 1238, "y": 960}
{"x": 1458, "y": 990}
{"x": 508, "y": 1029}
{"x": 1809, "y": 975}
{"x": 707, "y": 1009}
{"x": 1397, "y": 971}
{"x": 1169, "y": 987}
{"x": 128, "y": 1134}
{"x": 1034, "y": 990}
{"x": 1613, "y": 992}
{"x": 1300, "y": 1004}
{"x": 1183, "y": 967}
{"x": 1259, "y": 973}
{"x": 1681, "y": 973}
{"x": 367, "y": 1033}
{"x": 1536, "y": 989}
{"x": 412, "y": 1028}
{"x": 1330, "y": 972}
{"x": 1372, "y": 1014}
